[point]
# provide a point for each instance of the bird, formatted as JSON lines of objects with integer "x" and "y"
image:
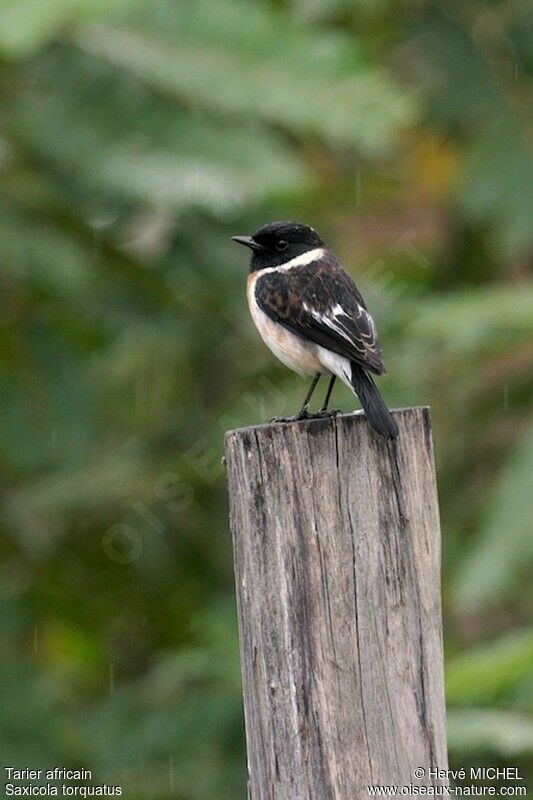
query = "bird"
{"x": 311, "y": 315}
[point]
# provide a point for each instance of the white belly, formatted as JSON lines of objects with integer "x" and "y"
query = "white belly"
{"x": 300, "y": 355}
{"x": 292, "y": 350}
{"x": 305, "y": 358}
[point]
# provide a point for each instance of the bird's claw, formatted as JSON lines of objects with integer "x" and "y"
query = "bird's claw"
{"x": 324, "y": 413}
{"x": 296, "y": 418}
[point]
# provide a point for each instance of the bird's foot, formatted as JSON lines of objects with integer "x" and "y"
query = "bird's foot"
{"x": 325, "y": 413}
{"x": 322, "y": 414}
{"x": 303, "y": 414}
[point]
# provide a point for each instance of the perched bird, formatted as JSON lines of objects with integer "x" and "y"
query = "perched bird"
{"x": 309, "y": 312}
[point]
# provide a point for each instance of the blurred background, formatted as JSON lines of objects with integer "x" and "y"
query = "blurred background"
{"x": 135, "y": 138}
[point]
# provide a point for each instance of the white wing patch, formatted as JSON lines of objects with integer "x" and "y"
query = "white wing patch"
{"x": 333, "y": 319}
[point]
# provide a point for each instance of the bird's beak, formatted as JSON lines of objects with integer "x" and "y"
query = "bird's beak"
{"x": 248, "y": 241}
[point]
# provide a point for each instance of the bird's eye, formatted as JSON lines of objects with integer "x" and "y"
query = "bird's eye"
{"x": 282, "y": 245}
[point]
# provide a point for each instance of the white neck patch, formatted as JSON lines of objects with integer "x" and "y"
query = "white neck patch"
{"x": 298, "y": 261}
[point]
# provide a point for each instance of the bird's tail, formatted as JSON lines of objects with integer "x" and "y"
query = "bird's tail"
{"x": 373, "y": 404}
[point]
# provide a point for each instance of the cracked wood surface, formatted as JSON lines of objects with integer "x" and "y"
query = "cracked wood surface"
{"x": 336, "y": 543}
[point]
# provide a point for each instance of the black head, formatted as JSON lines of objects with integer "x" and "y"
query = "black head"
{"x": 278, "y": 242}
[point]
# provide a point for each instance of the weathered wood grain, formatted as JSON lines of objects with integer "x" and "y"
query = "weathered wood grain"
{"x": 337, "y": 562}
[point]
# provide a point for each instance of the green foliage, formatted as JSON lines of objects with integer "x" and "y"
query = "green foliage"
{"x": 134, "y": 140}
{"x": 503, "y": 555}
{"x": 362, "y": 109}
{"x": 479, "y": 319}
{"x": 491, "y": 673}
{"x": 498, "y": 733}
{"x": 497, "y": 161}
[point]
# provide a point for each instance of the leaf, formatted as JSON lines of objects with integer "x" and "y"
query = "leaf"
{"x": 276, "y": 35}
{"x": 486, "y": 673}
{"x": 168, "y": 157}
{"x": 503, "y": 550}
{"x": 363, "y": 109}
{"x": 40, "y": 514}
{"x": 481, "y": 319}
{"x": 501, "y": 733}
{"x": 464, "y": 94}
{"x": 42, "y": 258}
{"x": 28, "y": 25}
{"x": 498, "y": 179}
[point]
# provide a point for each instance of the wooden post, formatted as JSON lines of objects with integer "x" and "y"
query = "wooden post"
{"x": 337, "y": 563}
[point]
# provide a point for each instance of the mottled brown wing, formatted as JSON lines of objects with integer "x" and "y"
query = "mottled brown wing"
{"x": 320, "y": 302}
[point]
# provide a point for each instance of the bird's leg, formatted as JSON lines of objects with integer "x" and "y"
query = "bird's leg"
{"x": 303, "y": 413}
{"x": 324, "y": 410}
{"x": 328, "y": 393}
